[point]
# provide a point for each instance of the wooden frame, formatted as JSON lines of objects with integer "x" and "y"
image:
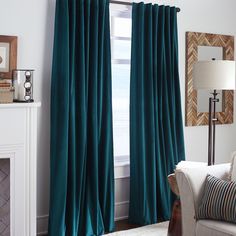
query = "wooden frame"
{"x": 8, "y": 56}
{"x": 193, "y": 40}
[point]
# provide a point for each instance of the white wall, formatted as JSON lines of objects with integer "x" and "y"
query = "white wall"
{"x": 32, "y": 22}
{"x": 212, "y": 17}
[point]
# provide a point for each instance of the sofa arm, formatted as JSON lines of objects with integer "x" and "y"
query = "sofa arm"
{"x": 187, "y": 204}
{"x": 191, "y": 186}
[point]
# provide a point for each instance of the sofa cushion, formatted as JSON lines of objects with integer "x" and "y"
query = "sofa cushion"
{"x": 232, "y": 173}
{"x": 215, "y": 228}
{"x": 218, "y": 201}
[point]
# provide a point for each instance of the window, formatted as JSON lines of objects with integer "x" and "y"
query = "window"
{"x": 121, "y": 53}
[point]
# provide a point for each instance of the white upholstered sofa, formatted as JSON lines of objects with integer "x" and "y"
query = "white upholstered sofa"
{"x": 191, "y": 186}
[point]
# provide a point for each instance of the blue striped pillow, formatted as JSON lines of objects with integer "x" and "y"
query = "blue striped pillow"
{"x": 219, "y": 200}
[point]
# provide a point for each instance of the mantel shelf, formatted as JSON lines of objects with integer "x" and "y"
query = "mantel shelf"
{"x": 20, "y": 105}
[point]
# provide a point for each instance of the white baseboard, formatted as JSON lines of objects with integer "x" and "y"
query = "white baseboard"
{"x": 42, "y": 234}
{"x": 121, "y": 218}
{"x": 42, "y": 225}
{"x": 121, "y": 210}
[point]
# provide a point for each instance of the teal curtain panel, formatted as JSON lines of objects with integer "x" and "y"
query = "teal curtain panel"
{"x": 156, "y": 128}
{"x": 82, "y": 173}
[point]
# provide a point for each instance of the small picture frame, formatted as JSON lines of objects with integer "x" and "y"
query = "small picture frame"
{"x": 8, "y": 56}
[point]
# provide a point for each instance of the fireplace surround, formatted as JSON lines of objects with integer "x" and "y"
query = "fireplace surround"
{"x": 18, "y": 145}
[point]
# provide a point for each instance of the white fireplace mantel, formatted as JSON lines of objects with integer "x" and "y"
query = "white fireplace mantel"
{"x": 18, "y": 142}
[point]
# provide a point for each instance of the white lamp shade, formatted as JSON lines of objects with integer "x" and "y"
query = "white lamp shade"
{"x": 210, "y": 75}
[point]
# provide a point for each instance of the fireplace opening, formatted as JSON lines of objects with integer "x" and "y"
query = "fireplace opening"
{"x": 5, "y": 197}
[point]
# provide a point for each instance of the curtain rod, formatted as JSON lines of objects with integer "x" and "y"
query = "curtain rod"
{"x": 130, "y": 4}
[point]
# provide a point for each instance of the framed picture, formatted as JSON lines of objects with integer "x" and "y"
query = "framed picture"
{"x": 204, "y": 46}
{"x": 8, "y": 56}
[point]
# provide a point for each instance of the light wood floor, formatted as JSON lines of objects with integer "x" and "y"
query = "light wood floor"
{"x": 124, "y": 225}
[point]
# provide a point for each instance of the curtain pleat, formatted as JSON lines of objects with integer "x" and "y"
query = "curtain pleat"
{"x": 156, "y": 129}
{"x": 82, "y": 173}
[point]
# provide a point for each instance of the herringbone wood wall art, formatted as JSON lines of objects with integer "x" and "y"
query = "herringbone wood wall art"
{"x": 193, "y": 40}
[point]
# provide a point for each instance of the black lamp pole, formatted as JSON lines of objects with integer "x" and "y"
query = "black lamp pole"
{"x": 212, "y": 128}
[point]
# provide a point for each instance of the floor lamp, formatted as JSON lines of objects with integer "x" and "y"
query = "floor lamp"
{"x": 213, "y": 75}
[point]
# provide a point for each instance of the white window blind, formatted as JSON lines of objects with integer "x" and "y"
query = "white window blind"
{"x": 120, "y": 17}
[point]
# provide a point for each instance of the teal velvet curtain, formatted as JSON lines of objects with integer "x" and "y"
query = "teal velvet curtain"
{"x": 82, "y": 173}
{"x": 156, "y": 130}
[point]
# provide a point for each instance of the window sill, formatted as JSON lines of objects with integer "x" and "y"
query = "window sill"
{"x": 121, "y": 166}
{"x": 120, "y": 161}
